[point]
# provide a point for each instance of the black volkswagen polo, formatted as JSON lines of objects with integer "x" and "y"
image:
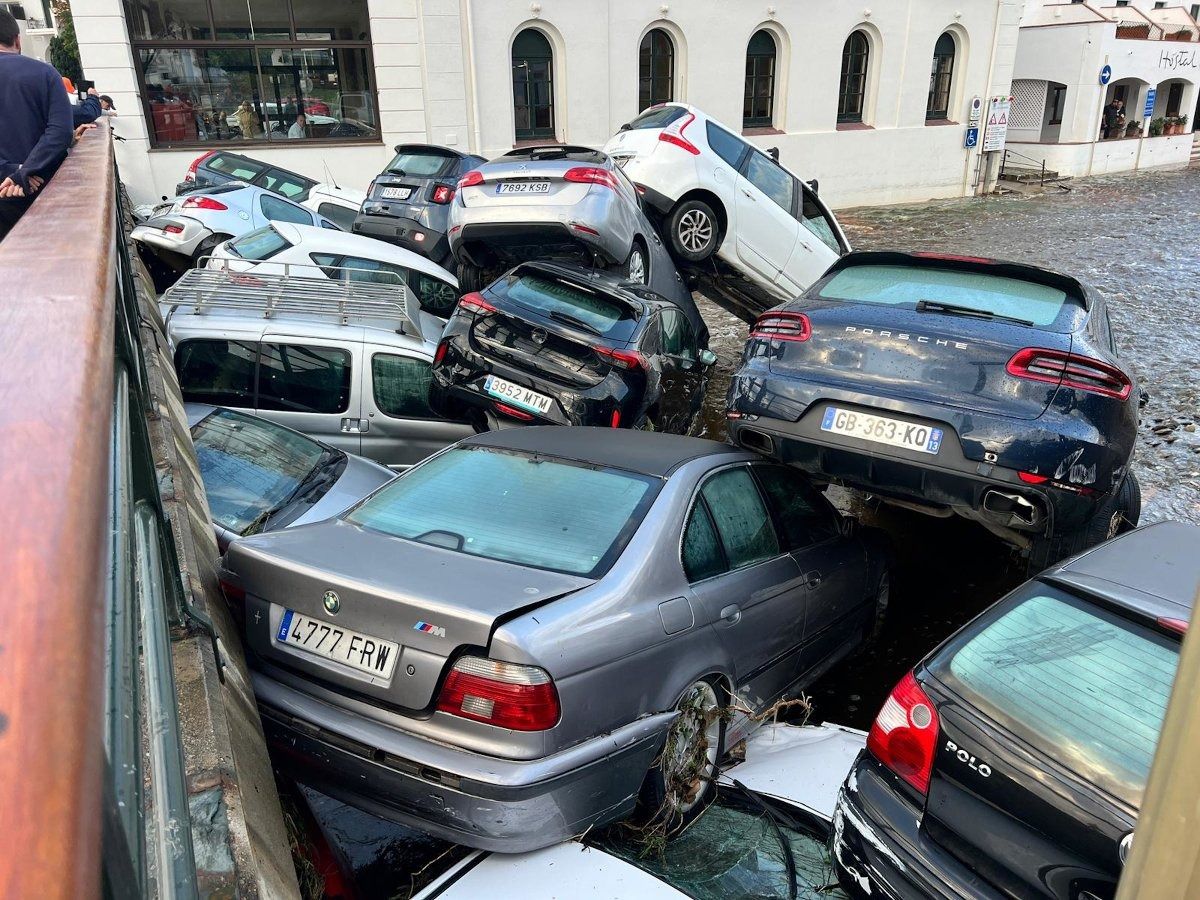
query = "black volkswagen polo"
{"x": 1012, "y": 760}
{"x": 557, "y": 344}
{"x": 953, "y": 385}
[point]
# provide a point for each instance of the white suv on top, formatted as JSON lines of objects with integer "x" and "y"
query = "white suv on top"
{"x": 717, "y": 193}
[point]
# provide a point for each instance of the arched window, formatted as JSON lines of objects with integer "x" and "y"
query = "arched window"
{"x": 852, "y": 91}
{"x": 940, "y": 76}
{"x": 656, "y": 69}
{"x": 533, "y": 85}
{"x": 759, "y": 105}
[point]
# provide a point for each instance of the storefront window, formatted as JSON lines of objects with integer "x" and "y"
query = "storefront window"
{"x": 241, "y": 71}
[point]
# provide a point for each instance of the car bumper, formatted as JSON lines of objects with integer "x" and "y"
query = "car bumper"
{"x": 174, "y": 249}
{"x": 958, "y": 477}
{"x": 403, "y": 232}
{"x": 510, "y": 806}
{"x": 511, "y": 235}
{"x": 879, "y": 849}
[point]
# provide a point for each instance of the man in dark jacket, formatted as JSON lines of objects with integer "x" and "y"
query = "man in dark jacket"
{"x": 36, "y": 124}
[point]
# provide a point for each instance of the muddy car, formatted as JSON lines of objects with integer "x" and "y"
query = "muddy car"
{"x": 1012, "y": 761}
{"x": 497, "y": 646}
{"x": 951, "y": 385}
{"x": 561, "y": 345}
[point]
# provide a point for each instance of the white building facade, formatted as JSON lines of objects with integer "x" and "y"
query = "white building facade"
{"x": 871, "y": 100}
{"x": 1074, "y": 59}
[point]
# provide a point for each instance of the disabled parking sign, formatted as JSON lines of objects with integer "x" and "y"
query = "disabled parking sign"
{"x": 972, "y": 138}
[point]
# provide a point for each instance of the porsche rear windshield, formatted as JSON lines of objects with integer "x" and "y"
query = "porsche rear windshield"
{"x": 520, "y": 508}
{"x": 907, "y": 286}
{"x": 1084, "y": 685}
{"x": 259, "y": 244}
{"x": 572, "y": 304}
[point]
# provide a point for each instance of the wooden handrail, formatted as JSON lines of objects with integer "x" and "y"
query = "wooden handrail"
{"x": 57, "y": 294}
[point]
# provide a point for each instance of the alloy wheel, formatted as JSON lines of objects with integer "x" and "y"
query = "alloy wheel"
{"x": 695, "y": 231}
{"x": 637, "y": 265}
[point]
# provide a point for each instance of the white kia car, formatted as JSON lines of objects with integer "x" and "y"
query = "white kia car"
{"x": 718, "y": 194}
{"x": 307, "y": 252}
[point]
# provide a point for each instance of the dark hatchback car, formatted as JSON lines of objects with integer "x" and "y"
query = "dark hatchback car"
{"x": 560, "y": 345}
{"x": 408, "y": 203}
{"x": 1011, "y": 762}
{"x": 954, "y": 385}
{"x": 218, "y": 167}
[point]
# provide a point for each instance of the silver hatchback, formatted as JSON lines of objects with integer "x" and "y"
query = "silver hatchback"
{"x": 497, "y": 646}
{"x": 553, "y": 201}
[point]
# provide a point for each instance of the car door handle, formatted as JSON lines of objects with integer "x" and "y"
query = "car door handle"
{"x": 731, "y": 614}
{"x": 813, "y": 579}
{"x": 355, "y": 426}
{"x": 750, "y": 195}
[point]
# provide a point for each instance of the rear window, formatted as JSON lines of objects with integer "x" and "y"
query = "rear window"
{"x": 241, "y": 169}
{"x": 657, "y": 118}
{"x": 1084, "y": 685}
{"x": 341, "y": 216}
{"x": 250, "y": 466}
{"x": 291, "y": 185}
{"x": 217, "y": 372}
{"x": 418, "y": 164}
{"x": 908, "y": 285}
{"x": 529, "y": 510}
{"x": 260, "y": 244}
{"x": 572, "y": 304}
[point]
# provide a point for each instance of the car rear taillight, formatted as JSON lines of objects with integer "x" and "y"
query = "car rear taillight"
{"x": 615, "y": 421}
{"x": 471, "y": 179}
{"x": 1035, "y": 478}
{"x": 512, "y": 412}
{"x": 625, "y": 359}
{"x": 506, "y": 695}
{"x": 173, "y": 229}
{"x": 782, "y": 326}
{"x": 191, "y": 172}
{"x": 233, "y": 593}
{"x": 673, "y": 134}
{"x": 440, "y": 353}
{"x": 591, "y": 175}
{"x": 474, "y": 303}
{"x": 442, "y": 193}
{"x": 204, "y": 203}
{"x": 1070, "y": 370}
{"x": 904, "y": 734}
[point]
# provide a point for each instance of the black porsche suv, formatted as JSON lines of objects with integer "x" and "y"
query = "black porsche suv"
{"x": 953, "y": 385}
{"x": 557, "y": 344}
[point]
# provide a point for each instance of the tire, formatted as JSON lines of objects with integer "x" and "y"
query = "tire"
{"x": 693, "y": 231}
{"x": 683, "y": 779}
{"x": 1119, "y": 513}
{"x": 470, "y": 277}
{"x": 206, "y": 247}
{"x": 637, "y": 267}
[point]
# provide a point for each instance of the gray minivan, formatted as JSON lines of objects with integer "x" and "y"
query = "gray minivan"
{"x": 341, "y": 362}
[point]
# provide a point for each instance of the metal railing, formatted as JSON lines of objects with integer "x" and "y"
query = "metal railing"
{"x": 92, "y": 793}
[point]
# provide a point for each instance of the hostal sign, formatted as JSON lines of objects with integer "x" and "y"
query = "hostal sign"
{"x": 1173, "y": 60}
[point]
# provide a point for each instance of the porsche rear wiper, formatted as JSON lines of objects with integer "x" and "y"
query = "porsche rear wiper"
{"x": 954, "y": 310}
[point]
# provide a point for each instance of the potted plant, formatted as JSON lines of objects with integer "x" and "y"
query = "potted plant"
{"x": 1133, "y": 129}
{"x": 1182, "y": 122}
{"x": 1157, "y": 126}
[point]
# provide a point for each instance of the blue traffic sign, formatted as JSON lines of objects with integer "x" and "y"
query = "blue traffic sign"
{"x": 1151, "y": 96}
{"x": 972, "y": 138}
{"x": 1106, "y": 75}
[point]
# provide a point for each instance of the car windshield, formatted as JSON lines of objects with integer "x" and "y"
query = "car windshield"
{"x": 735, "y": 849}
{"x": 657, "y": 118}
{"x": 252, "y": 468}
{"x": 525, "y": 509}
{"x": 1084, "y": 685}
{"x": 908, "y": 285}
{"x": 422, "y": 164}
{"x": 571, "y": 303}
{"x": 260, "y": 244}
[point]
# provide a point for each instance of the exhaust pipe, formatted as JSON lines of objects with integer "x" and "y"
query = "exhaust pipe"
{"x": 1011, "y": 509}
{"x": 757, "y": 441}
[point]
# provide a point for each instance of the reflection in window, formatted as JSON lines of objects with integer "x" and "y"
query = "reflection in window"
{"x": 759, "y": 101}
{"x": 533, "y": 85}
{"x": 742, "y": 522}
{"x": 656, "y": 69}
{"x": 401, "y": 386}
{"x": 293, "y": 378}
{"x": 766, "y": 175}
{"x": 940, "y": 76}
{"x": 852, "y": 90}
{"x": 201, "y": 93}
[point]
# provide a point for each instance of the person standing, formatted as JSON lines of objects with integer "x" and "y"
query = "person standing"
{"x": 1109, "y": 121}
{"x": 37, "y": 127}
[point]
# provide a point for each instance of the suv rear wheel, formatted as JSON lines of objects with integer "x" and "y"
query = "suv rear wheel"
{"x": 693, "y": 230}
{"x": 1119, "y": 513}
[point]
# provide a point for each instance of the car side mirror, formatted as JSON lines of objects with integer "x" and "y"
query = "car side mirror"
{"x": 774, "y": 153}
{"x": 707, "y": 358}
{"x": 815, "y": 185}
{"x": 626, "y": 127}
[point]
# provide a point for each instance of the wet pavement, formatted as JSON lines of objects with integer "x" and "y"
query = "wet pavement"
{"x": 1134, "y": 238}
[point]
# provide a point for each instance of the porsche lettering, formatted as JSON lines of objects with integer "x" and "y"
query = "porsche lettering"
{"x": 905, "y": 336}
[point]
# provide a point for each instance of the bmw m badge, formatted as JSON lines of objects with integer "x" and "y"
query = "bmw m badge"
{"x": 435, "y": 630}
{"x": 332, "y": 602}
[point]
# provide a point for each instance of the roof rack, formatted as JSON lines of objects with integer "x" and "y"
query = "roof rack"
{"x": 294, "y": 290}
